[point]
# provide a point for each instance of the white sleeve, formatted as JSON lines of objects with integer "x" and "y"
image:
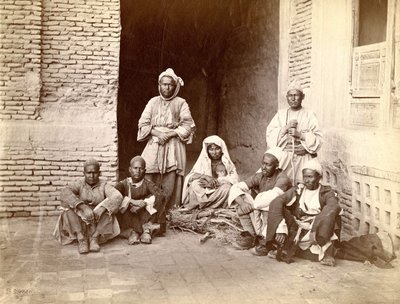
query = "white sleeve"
{"x": 237, "y": 190}
{"x": 263, "y": 199}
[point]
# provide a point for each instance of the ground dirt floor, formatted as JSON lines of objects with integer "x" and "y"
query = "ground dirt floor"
{"x": 176, "y": 268}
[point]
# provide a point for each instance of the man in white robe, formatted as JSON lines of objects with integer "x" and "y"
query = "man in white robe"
{"x": 296, "y": 131}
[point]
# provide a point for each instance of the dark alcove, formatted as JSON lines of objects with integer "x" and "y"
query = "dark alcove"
{"x": 190, "y": 36}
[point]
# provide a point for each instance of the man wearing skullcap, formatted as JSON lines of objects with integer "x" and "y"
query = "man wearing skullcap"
{"x": 143, "y": 202}
{"x": 296, "y": 131}
{"x": 311, "y": 212}
{"x": 253, "y": 196}
{"x": 88, "y": 210}
{"x": 167, "y": 125}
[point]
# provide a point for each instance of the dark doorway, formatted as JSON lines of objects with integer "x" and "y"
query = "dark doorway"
{"x": 190, "y": 36}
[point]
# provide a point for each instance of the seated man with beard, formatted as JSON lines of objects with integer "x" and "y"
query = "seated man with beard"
{"x": 253, "y": 209}
{"x": 142, "y": 204}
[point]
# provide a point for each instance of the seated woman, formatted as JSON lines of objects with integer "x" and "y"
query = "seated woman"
{"x": 88, "y": 210}
{"x": 203, "y": 186}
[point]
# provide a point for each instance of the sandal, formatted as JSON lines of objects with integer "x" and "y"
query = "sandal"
{"x": 134, "y": 238}
{"x": 145, "y": 238}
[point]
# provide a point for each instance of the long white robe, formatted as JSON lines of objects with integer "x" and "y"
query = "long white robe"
{"x": 308, "y": 126}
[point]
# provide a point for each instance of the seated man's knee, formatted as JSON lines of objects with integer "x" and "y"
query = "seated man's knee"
{"x": 243, "y": 207}
{"x": 71, "y": 215}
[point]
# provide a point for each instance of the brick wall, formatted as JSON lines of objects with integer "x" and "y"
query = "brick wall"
{"x": 20, "y": 57}
{"x": 58, "y": 89}
{"x": 31, "y": 179}
{"x": 80, "y": 47}
{"x": 300, "y": 41}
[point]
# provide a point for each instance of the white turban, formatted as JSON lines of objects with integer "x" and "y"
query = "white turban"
{"x": 295, "y": 85}
{"x": 313, "y": 164}
{"x": 276, "y": 152}
{"x": 170, "y": 73}
{"x": 178, "y": 81}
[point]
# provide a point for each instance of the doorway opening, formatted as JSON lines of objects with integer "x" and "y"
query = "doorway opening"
{"x": 192, "y": 37}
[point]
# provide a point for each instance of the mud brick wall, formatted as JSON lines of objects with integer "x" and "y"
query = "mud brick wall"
{"x": 20, "y": 58}
{"x": 300, "y": 41}
{"x": 59, "y": 79}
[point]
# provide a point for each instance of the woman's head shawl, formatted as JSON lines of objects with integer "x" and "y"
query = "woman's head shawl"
{"x": 313, "y": 164}
{"x": 178, "y": 81}
{"x": 203, "y": 163}
{"x": 277, "y": 153}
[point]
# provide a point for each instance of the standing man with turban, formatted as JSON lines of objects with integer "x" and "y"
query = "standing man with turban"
{"x": 167, "y": 125}
{"x": 264, "y": 187}
{"x": 88, "y": 210}
{"x": 296, "y": 131}
{"x": 311, "y": 212}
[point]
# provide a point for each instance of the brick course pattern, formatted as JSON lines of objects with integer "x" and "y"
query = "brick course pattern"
{"x": 58, "y": 92}
{"x": 80, "y": 47}
{"x": 20, "y": 58}
{"x": 31, "y": 180}
{"x": 300, "y": 42}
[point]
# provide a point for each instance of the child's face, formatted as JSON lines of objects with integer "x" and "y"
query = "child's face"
{"x": 220, "y": 172}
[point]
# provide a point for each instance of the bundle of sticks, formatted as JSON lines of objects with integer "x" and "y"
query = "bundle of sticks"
{"x": 221, "y": 224}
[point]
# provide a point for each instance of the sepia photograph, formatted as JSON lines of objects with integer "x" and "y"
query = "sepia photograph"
{"x": 200, "y": 151}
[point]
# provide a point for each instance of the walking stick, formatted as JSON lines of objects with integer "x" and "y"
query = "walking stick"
{"x": 292, "y": 156}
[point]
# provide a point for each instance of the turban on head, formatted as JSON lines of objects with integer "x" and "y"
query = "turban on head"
{"x": 276, "y": 152}
{"x": 91, "y": 162}
{"x": 178, "y": 81}
{"x": 170, "y": 73}
{"x": 295, "y": 85}
{"x": 313, "y": 164}
{"x": 138, "y": 158}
